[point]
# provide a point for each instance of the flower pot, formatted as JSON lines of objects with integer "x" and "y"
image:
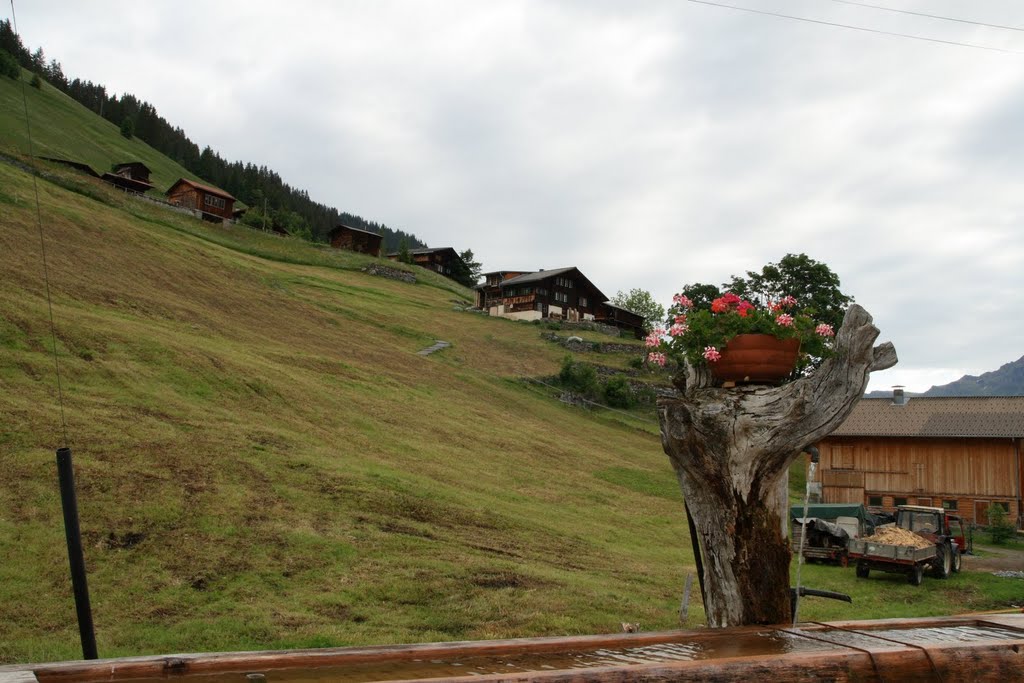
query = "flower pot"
{"x": 756, "y": 359}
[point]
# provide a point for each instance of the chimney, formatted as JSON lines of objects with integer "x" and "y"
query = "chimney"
{"x": 898, "y": 397}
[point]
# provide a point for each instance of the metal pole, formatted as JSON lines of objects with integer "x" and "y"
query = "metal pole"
{"x": 75, "y": 557}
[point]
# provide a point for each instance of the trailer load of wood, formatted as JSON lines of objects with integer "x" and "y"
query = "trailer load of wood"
{"x": 894, "y": 535}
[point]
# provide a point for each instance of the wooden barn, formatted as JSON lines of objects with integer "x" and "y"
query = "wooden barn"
{"x": 213, "y": 204}
{"x": 622, "y": 318}
{"x": 960, "y": 453}
{"x": 561, "y": 293}
{"x": 354, "y": 239}
{"x": 441, "y": 260}
{"x": 131, "y": 176}
{"x": 488, "y": 293}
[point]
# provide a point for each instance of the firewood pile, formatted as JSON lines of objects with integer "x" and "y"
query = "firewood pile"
{"x": 893, "y": 535}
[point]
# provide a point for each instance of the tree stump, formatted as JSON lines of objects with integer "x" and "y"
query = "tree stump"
{"x": 731, "y": 450}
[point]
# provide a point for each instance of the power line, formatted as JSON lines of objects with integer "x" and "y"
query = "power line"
{"x": 851, "y": 27}
{"x": 930, "y": 16}
{"x": 42, "y": 243}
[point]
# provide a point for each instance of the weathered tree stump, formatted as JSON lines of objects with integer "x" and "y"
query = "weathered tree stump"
{"x": 731, "y": 450}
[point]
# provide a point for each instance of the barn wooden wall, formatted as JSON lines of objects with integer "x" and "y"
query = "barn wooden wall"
{"x": 925, "y": 471}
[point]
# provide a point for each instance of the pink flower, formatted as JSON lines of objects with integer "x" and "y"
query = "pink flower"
{"x": 774, "y": 306}
{"x": 785, "y": 320}
{"x": 825, "y": 330}
{"x": 654, "y": 338}
{"x": 678, "y": 330}
{"x": 787, "y": 301}
{"x": 656, "y": 358}
{"x": 719, "y": 306}
{"x": 743, "y": 307}
{"x": 711, "y": 353}
{"x": 682, "y": 300}
{"x": 680, "y": 319}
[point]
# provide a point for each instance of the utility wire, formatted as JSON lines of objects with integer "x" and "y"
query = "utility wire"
{"x": 930, "y": 16}
{"x": 42, "y": 245}
{"x": 851, "y": 27}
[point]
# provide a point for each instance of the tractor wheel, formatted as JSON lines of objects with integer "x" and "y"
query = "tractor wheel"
{"x": 862, "y": 571}
{"x": 943, "y": 565}
{"x": 916, "y": 575}
{"x": 957, "y": 561}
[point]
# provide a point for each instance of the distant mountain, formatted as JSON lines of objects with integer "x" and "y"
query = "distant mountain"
{"x": 1006, "y": 381}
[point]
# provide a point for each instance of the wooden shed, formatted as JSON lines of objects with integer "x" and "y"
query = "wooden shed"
{"x": 622, "y": 318}
{"x": 131, "y": 176}
{"x": 355, "y": 239}
{"x": 441, "y": 260}
{"x": 136, "y": 170}
{"x": 960, "y": 453}
{"x": 213, "y": 204}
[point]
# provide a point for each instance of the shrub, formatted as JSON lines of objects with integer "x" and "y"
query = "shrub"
{"x": 618, "y": 393}
{"x": 578, "y": 377}
{"x": 36, "y": 82}
{"x": 637, "y": 362}
{"x": 999, "y": 526}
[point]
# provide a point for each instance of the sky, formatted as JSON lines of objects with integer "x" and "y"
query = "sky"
{"x": 649, "y": 143}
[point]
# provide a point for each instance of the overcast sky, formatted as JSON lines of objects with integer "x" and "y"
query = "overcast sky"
{"x": 651, "y": 144}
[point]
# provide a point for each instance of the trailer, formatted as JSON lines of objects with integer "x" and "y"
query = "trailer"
{"x": 893, "y": 559}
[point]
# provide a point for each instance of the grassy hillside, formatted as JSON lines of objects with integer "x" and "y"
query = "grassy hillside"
{"x": 64, "y": 129}
{"x": 264, "y": 461}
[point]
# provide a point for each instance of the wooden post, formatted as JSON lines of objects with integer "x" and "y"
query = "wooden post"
{"x": 684, "y": 607}
{"x": 731, "y": 449}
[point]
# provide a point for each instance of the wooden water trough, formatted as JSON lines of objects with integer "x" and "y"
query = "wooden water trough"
{"x": 976, "y": 648}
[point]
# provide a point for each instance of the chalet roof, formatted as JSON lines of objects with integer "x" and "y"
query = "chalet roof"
{"x": 133, "y": 164}
{"x": 538, "y": 276}
{"x": 508, "y": 270}
{"x": 431, "y": 250}
{"x": 81, "y": 166}
{"x": 209, "y": 189}
{"x": 961, "y": 416}
{"x": 541, "y": 275}
{"x": 342, "y": 226}
{"x": 609, "y": 304}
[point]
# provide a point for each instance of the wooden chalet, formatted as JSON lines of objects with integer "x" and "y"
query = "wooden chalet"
{"x": 355, "y": 239}
{"x": 213, "y": 204}
{"x": 961, "y": 453}
{"x": 440, "y": 260}
{"x": 131, "y": 176}
{"x": 488, "y": 293}
{"x": 562, "y": 293}
{"x": 622, "y": 318}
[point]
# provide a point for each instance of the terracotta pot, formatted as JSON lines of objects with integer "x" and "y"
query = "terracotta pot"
{"x": 756, "y": 359}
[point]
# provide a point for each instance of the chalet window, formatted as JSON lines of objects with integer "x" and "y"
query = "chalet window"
{"x": 542, "y": 291}
{"x": 563, "y": 282}
{"x": 899, "y": 501}
{"x": 875, "y": 501}
{"x": 561, "y": 297}
{"x": 950, "y": 504}
{"x": 1003, "y": 504}
{"x": 583, "y": 301}
{"x": 218, "y": 202}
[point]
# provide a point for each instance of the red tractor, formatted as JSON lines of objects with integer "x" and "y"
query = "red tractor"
{"x": 940, "y": 527}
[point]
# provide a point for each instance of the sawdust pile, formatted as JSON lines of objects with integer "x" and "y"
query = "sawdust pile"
{"x": 893, "y": 535}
